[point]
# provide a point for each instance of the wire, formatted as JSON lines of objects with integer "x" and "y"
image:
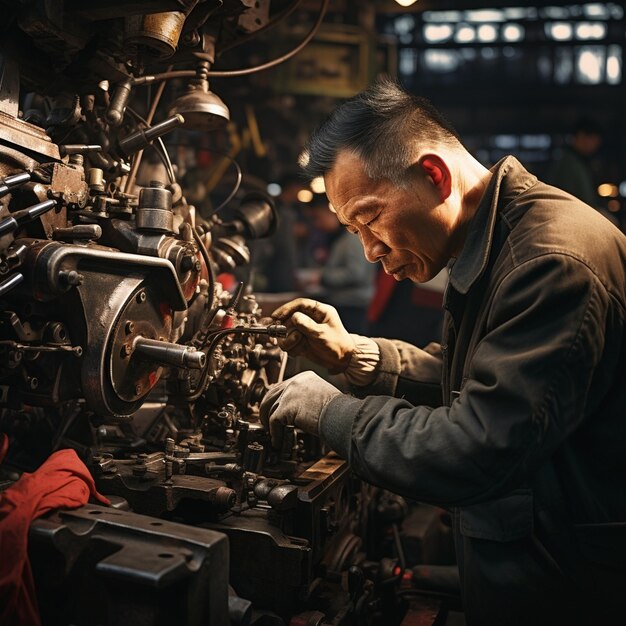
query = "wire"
{"x": 281, "y": 59}
{"x": 216, "y": 337}
{"x": 162, "y": 153}
{"x": 209, "y": 268}
{"x": 165, "y": 157}
{"x": 281, "y": 15}
{"x": 235, "y": 189}
{"x": 168, "y": 75}
{"x": 137, "y": 158}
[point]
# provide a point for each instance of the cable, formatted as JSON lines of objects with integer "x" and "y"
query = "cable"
{"x": 209, "y": 268}
{"x": 168, "y": 75}
{"x": 137, "y": 158}
{"x": 162, "y": 153}
{"x": 216, "y": 337}
{"x": 281, "y": 15}
{"x": 281, "y": 59}
{"x": 235, "y": 189}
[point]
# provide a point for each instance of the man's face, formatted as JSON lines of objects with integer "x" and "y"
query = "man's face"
{"x": 410, "y": 231}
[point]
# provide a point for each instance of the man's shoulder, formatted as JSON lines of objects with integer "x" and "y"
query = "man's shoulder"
{"x": 550, "y": 221}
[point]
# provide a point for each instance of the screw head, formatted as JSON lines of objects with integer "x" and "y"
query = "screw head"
{"x": 138, "y": 390}
{"x": 129, "y": 327}
{"x": 141, "y": 296}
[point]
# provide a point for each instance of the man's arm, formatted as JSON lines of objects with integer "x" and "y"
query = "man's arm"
{"x": 405, "y": 371}
{"x": 525, "y": 391}
{"x": 380, "y": 366}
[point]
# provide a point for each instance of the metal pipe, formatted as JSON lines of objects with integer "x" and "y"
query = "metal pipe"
{"x": 169, "y": 353}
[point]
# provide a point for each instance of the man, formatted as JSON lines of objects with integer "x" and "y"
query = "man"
{"x": 518, "y": 420}
{"x": 572, "y": 171}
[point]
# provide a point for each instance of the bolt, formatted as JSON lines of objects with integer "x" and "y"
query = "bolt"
{"x": 137, "y": 390}
{"x": 141, "y": 296}
{"x": 70, "y": 278}
{"x": 187, "y": 262}
{"x": 129, "y": 327}
{"x": 33, "y": 383}
{"x": 126, "y": 350}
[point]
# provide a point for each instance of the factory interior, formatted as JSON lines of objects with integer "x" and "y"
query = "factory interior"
{"x": 196, "y": 427}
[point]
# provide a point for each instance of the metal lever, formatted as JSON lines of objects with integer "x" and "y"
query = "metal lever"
{"x": 141, "y": 139}
{"x": 10, "y": 182}
{"x": 78, "y": 148}
{"x": 9, "y": 283}
{"x": 11, "y": 223}
{"x": 79, "y": 231}
{"x": 169, "y": 353}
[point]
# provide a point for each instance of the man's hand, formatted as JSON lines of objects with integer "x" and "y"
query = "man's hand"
{"x": 299, "y": 402}
{"x": 315, "y": 331}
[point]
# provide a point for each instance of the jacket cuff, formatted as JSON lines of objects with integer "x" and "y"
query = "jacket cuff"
{"x": 336, "y": 423}
{"x": 387, "y": 372}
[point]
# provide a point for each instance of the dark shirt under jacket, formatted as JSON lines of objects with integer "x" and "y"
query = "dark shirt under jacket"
{"x": 528, "y": 445}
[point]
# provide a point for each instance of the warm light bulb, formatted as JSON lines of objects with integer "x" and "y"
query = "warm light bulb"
{"x": 305, "y": 195}
{"x": 317, "y": 185}
{"x": 406, "y": 3}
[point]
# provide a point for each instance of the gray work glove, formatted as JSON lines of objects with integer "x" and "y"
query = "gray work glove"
{"x": 298, "y": 401}
{"x": 315, "y": 331}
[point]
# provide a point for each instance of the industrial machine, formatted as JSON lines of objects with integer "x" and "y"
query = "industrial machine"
{"x": 117, "y": 340}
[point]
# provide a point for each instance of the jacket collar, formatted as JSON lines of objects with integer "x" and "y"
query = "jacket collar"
{"x": 508, "y": 180}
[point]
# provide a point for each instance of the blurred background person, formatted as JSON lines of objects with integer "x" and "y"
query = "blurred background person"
{"x": 572, "y": 170}
{"x": 275, "y": 259}
{"x": 345, "y": 276}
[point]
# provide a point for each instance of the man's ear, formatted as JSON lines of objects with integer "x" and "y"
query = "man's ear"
{"x": 436, "y": 169}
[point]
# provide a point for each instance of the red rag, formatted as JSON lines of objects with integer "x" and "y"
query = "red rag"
{"x": 62, "y": 481}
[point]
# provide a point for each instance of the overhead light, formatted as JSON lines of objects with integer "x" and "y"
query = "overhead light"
{"x": 317, "y": 185}
{"x": 608, "y": 190}
{"x": 406, "y": 3}
{"x": 274, "y": 190}
{"x": 202, "y": 109}
{"x": 305, "y": 195}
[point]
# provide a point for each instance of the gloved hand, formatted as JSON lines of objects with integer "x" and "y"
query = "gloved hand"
{"x": 315, "y": 331}
{"x": 298, "y": 401}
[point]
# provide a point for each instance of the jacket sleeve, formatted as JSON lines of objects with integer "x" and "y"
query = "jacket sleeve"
{"x": 407, "y": 372}
{"x": 525, "y": 389}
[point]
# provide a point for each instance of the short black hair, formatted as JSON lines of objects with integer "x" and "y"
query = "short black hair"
{"x": 381, "y": 125}
{"x": 587, "y": 125}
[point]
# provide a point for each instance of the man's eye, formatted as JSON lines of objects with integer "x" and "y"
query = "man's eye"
{"x": 372, "y": 220}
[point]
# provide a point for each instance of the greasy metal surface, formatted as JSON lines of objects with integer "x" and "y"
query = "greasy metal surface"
{"x": 15, "y": 132}
{"x": 9, "y": 86}
{"x": 144, "y": 315}
{"x": 142, "y": 481}
{"x": 148, "y": 570}
{"x": 63, "y": 257}
{"x": 69, "y": 183}
{"x": 158, "y": 32}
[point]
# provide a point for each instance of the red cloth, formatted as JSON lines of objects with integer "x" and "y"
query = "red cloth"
{"x": 62, "y": 481}
{"x": 383, "y": 290}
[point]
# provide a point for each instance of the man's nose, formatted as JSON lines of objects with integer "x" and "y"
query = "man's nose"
{"x": 373, "y": 248}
